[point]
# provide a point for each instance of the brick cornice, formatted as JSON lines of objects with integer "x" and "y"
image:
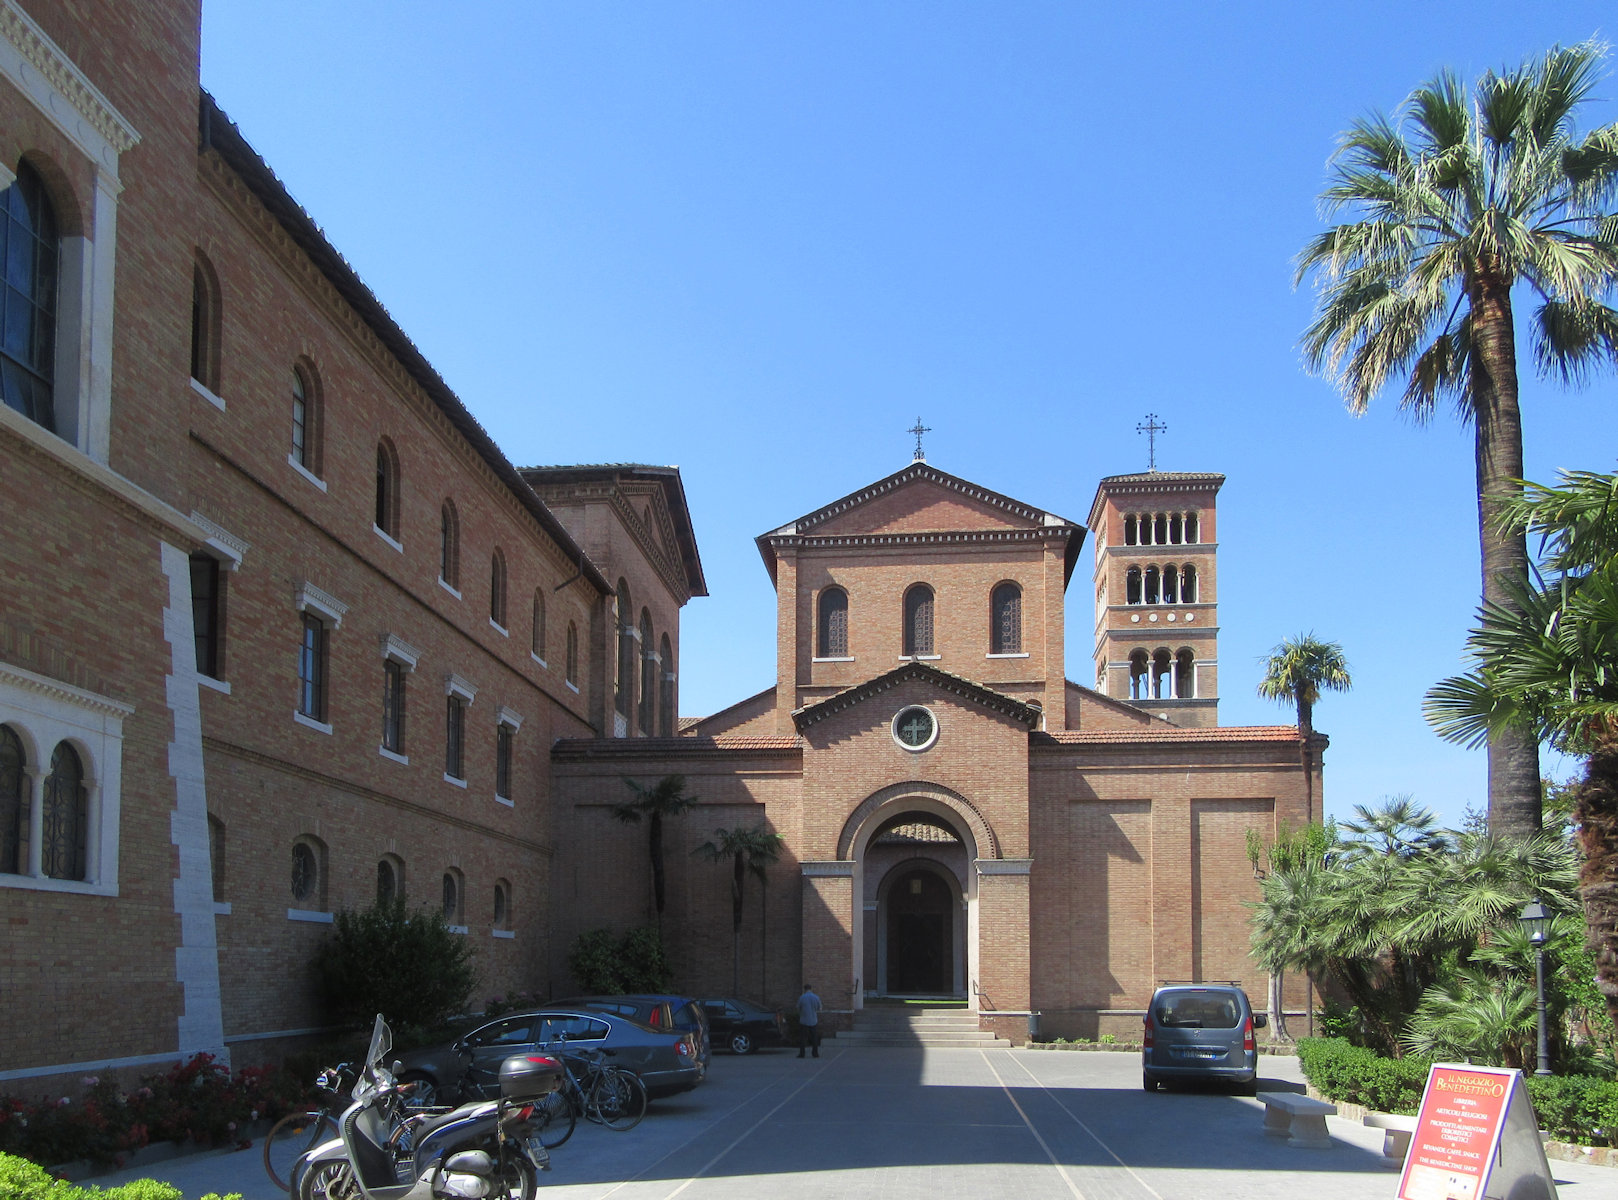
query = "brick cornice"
{"x": 36, "y": 48}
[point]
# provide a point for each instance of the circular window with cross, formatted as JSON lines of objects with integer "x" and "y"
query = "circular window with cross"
{"x": 915, "y": 727}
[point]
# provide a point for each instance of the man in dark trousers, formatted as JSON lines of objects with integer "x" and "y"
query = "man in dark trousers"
{"x": 808, "y": 1021}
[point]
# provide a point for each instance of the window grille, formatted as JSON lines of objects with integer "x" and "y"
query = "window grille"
{"x": 1006, "y": 633}
{"x": 834, "y": 623}
{"x": 918, "y": 613}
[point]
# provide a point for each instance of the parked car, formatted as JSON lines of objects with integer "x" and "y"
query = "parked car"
{"x": 1200, "y": 1031}
{"x": 742, "y": 1026}
{"x": 655, "y": 1011}
{"x": 469, "y": 1067}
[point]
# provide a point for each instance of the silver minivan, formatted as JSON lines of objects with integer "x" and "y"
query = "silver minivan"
{"x": 1200, "y": 1031}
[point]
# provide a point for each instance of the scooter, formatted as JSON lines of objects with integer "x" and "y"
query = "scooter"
{"x": 489, "y": 1148}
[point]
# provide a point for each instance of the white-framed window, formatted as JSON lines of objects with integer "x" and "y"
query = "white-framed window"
{"x": 61, "y": 759}
{"x": 458, "y": 697}
{"x": 399, "y": 660}
{"x": 505, "y": 738}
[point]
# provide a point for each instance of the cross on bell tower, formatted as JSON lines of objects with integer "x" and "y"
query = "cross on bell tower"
{"x": 1151, "y": 429}
{"x": 918, "y": 429}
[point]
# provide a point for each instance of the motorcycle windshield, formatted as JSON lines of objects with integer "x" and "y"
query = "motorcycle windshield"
{"x": 381, "y": 1043}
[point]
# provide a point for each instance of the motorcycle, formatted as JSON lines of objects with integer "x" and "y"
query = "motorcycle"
{"x": 488, "y": 1148}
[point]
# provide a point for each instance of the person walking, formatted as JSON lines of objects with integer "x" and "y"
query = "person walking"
{"x": 808, "y": 1021}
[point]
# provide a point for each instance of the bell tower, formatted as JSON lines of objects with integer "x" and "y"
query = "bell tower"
{"x": 1157, "y": 593}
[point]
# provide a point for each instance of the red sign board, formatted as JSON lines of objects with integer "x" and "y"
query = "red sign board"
{"x": 1457, "y": 1133}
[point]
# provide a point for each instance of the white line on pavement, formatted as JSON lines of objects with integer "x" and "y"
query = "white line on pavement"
{"x": 1075, "y": 1119}
{"x": 1045, "y": 1146}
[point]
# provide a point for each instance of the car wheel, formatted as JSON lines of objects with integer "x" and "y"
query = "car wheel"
{"x": 1148, "y": 1081}
{"x": 424, "y": 1094}
{"x": 742, "y": 1043}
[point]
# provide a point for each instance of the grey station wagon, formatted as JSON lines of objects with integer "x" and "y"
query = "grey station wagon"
{"x": 1200, "y": 1031}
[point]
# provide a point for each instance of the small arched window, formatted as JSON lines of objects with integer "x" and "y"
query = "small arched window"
{"x": 1131, "y": 535}
{"x": 502, "y": 904}
{"x": 30, "y": 249}
{"x": 1005, "y": 620}
{"x": 1185, "y": 675}
{"x": 1138, "y": 683}
{"x": 1153, "y": 593}
{"x": 1171, "y": 584}
{"x": 389, "y": 881}
{"x": 453, "y": 895}
{"x": 497, "y": 588}
{"x": 1132, "y": 586}
{"x": 833, "y": 625}
{"x": 1162, "y": 676}
{"x": 539, "y": 624}
{"x": 665, "y": 693}
{"x": 1192, "y": 531}
{"x": 918, "y": 616}
{"x": 571, "y": 666}
{"x": 309, "y": 874}
{"x": 625, "y": 689}
{"x": 449, "y": 545}
{"x": 387, "y": 489}
{"x": 1188, "y": 584}
{"x": 1160, "y": 529}
{"x": 648, "y": 675}
{"x": 305, "y": 419}
{"x": 66, "y": 816}
{"x": 14, "y": 804}
{"x": 205, "y": 324}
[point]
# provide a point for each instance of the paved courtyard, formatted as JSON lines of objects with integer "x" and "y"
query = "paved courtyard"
{"x": 896, "y": 1124}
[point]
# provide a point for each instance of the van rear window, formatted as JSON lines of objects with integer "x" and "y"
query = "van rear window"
{"x": 1198, "y": 1010}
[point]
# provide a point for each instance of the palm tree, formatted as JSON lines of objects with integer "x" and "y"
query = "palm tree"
{"x": 1297, "y": 669}
{"x": 1397, "y": 826}
{"x": 1548, "y": 663}
{"x": 1456, "y": 203}
{"x": 749, "y": 850}
{"x": 665, "y": 798}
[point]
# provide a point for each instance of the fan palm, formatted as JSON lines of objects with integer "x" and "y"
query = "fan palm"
{"x": 1466, "y": 197}
{"x": 665, "y": 798}
{"x": 1549, "y": 663}
{"x": 1296, "y": 671}
{"x": 748, "y": 850}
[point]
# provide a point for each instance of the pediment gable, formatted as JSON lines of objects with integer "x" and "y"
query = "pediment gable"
{"x": 958, "y": 686}
{"x": 921, "y": 498}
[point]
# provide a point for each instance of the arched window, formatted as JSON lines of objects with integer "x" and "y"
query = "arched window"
{"x": 1188, "y": 584}
{"x": 216, "y": 856}
{"x": 1171, "y": 584}
{"x": 648, "y": 675}
{"x": 309, "y": 873}
{"x": 205, "y": 324}
{"x": 1176, "y": 528}
{"x": 1138, "y": 689}
{"x": 1131, "y": 532}
{"x": 538, "y": 648}
{"x": 65, "y": 847}
{"x": 30, "y": 250}
{"x": 1153, "y": 593}
{"x": 502, "y": 904}
{"x": 1185, "y": 675}
{"x": 665, "y": 695}
{"x": 454, "y": 892}
{"x": 449, "y": 546}
{"x": 1160, "y": 529}
{"x": 1162, "y": 676}
{"x": 387, "y": 489}
{"x": 1191, "y": 527}
{"x": 14, "y": 804}
{"x": 305, "y": 419}
{"x": 625, "y": 689}
{"x": 389, "y": 881}
{"x": 918, "y": 612}
{"x": 571, "y": 666}
{"x": 497, "y": 588}
{"x": 832, "y": 633}
{"x": 1005, "y": 620}
{"x": 1132, "y": 586}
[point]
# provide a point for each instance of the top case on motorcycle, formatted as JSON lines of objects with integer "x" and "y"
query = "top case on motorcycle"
{"x": 529, "y": 1076}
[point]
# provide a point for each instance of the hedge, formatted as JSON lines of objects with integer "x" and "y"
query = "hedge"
{"x": 1572, "y": 1108}
{"x": 23, "y": 1180}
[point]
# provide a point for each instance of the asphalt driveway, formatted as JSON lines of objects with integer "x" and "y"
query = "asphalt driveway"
{"x": 896, "y": 1124}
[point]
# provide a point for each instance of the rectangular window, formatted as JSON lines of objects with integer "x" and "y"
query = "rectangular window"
{"x": 393, "y": 706}
{"x": 502, "y": 762}
{"x": 455, "y": 738}
{"x": 312, "y": 669}
{"x": 205, "y": 612}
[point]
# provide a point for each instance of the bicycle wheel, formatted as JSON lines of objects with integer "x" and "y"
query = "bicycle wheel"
{"x": 289, "y": 1139}
{"x": 619, "y": 1099}
{"x": 554, "y": 1118}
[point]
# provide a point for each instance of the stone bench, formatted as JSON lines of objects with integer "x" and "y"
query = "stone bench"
{"x": 1396, "y": 1132}
{"x": 1299, "y": 1119}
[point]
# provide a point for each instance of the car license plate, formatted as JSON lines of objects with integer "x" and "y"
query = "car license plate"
{"x": 1199, "y": 1052}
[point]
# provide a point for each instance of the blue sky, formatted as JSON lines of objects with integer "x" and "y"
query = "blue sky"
{"x": 757, "y": 240}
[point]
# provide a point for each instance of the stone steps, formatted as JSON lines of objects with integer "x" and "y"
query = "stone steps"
{"x": 896, "y": 1026}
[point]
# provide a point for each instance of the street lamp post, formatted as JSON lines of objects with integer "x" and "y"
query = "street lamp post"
{"x": 1536, "y": 924}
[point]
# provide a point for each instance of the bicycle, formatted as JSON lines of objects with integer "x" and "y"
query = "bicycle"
{"x": 297, "y": 1133}
{"x": 608, "y": 1095}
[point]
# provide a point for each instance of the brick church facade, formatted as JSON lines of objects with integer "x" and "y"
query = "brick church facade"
{"x": 285, "y": 631}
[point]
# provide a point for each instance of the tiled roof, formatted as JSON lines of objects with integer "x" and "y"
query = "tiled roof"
{"x": 1221, "y": 733}
{"x": 1162, "y": 477}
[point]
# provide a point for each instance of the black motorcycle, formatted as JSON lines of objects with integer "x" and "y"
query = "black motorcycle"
{"x": 489, "y": 1148}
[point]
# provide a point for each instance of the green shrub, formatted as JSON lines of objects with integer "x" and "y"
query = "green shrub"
{"x": 1576, "y": 1108}
{"x": 387, "y": 959}
{"x": 23, "y": 1180}
{"x": 604, "y": 964}
{"x": 1342, "y": 1071}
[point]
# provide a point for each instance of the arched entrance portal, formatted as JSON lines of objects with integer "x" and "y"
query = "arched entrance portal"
{"x": 921, "y": 931}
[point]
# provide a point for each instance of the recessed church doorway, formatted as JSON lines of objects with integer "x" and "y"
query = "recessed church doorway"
{"x": 921, "y": 912}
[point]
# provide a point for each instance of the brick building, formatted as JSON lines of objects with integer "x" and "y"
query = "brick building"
{"x": 959, "y": 818}
{"x": 284, "y": 631}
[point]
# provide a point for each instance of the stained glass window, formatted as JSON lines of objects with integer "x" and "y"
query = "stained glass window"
{"x": 919, "y": 620}
{"x": 1005, "y": 634}
{"x": 66, "y": 816}
{"x": 834, "y": 623}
